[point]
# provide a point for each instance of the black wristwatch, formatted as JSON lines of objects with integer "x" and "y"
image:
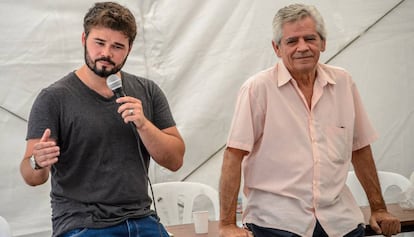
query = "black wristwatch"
{"x": 34, "y": 164}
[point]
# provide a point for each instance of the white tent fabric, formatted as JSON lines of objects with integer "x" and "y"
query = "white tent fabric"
{"x": 200, "y": 52}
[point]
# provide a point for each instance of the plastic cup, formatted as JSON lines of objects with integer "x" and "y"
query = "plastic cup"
{"x": 200, "y": 222}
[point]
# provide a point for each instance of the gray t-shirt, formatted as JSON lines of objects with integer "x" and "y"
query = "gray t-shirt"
{"x": 99, "y": 180}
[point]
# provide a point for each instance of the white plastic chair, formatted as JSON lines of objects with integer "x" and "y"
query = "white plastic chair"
{"x": 4, "y": 228}
{"x": 388, "y": 181}
{"x": 175, "y": 201}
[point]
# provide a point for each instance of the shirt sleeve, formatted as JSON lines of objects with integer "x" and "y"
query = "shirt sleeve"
{"x": 163, "y": 117}
{"x": 44, "y": 114}
{"x": 364, "y": 132}
{"x": 247, "y": 123}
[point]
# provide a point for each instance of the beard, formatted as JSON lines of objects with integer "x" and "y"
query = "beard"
{"x": 103, "y": 72}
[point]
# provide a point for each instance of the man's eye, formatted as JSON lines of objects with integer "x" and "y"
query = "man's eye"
{"x": 292, "y": 41}
{"x": 310, "y": 38}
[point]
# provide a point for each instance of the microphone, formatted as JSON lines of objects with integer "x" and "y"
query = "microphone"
{"x": 115, "y": 84}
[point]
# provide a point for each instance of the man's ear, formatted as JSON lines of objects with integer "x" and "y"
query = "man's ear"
{"x": 83, "y": 39}
{"x": 130, "y": 48}
{"x": 323, "y": 45}
{"x": 276, "y": 48}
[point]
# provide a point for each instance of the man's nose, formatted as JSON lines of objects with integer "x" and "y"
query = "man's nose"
{"x": 106, "y": 51}
{"x": 302, "y": 45}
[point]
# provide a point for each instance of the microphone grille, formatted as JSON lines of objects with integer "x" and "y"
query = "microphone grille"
{"x": 114, "y": 82}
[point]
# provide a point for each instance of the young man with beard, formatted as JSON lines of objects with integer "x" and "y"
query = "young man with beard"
{"x": 80, "y": 134}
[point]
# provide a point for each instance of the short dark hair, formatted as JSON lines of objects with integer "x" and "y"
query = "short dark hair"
{"x": 111, "y": 15}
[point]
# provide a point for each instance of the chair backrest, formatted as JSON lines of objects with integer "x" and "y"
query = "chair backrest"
{"x": 4, "y": 228}
{"x": 388, "y": 181}
{"x": 175, "y": 200}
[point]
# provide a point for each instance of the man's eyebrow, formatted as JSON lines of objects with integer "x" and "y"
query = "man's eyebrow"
{"x": 311, "y": 35}
{"x": 116, "y": 43}
{"x": 99, "y": 39}
{"x": 304, "y": 36}
{"x": 290, "y": 39}
{"x": 119, "y": 44}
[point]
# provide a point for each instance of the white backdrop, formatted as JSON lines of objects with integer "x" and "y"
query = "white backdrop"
{"x": 200, "y": 52}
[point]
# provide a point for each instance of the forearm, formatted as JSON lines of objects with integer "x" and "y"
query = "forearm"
{"x": 229, "y": 186}
{"x": 33, "y": 177}
{"x": 166, "y": 146}
{"x": 366, "y": 172}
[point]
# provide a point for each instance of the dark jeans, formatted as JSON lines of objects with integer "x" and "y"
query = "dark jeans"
{"x": 143, "y": 227}
{"x": 317, "y": 232}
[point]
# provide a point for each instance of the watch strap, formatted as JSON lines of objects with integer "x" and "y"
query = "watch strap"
{"x": 34, "y": 163}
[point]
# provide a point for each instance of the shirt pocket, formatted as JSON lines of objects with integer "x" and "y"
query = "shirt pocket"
{"x": 336, "y": 137}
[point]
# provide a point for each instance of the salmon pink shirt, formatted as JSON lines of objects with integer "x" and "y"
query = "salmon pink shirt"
{"x": 299, "y": 158}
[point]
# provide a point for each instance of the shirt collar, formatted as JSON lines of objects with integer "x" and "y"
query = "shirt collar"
{"x": 283, "y": 75}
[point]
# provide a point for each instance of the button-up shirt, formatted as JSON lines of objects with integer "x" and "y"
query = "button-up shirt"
{"x": 299, "y": 155}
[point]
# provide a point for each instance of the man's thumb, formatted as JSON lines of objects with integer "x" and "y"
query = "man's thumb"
{"x": 375, "y": 227}
{"x": 46, "y": 135}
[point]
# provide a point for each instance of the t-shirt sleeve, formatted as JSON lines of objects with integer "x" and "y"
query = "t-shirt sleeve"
{"x": 43, "y": 114}
{"x": 162, "y": 117}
